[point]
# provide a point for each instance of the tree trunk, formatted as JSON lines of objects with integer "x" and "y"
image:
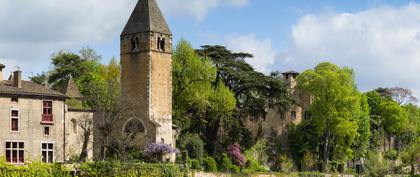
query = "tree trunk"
{"x": 325, "y": 151}
{"x": 103, "y": 148}
{"x": 84, "y": 153}
{"x": 413, "y": 169}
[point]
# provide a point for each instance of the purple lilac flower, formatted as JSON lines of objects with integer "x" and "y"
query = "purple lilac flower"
{"x": 234, "y": 151}
{"x": 160, "y": 149}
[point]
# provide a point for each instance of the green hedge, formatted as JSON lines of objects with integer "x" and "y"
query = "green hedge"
{"x": 34, "y": 170}
{"x": 131, "y": 170}
{"x": 93, "y": 169}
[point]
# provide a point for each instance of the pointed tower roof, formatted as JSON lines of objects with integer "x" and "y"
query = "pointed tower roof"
{"x": 146, "y": 17}
{"x": 70, "y": 88}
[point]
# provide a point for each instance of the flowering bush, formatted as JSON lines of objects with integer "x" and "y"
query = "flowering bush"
{"x": 234, "y": 151}
{"x": 155, "y": 151}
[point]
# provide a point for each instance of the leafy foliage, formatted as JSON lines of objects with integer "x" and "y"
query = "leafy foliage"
{"x": 254, "y": 91}
{"x": 336, "y": 110}
{"x": 285, "y": 163}
{"x": 199, "y": 105}
{"x": 210, "y": 164}
{"x": 194, "y": 146}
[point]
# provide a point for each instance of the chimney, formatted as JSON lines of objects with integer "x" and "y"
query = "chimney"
{"x": 1, "y": 71}
{"x": 17, "y": 79}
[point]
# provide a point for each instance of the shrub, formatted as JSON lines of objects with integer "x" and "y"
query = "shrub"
{"x": 234, "y": 151}
{"x": 376, "y": 167}
{"x": 210, "y": 164}
{"x": 194, "y": 164}
{"x": 308, "y": 162}
{"x": 391, "y": 155}
{"x": 234, "y": 169}
{"x": 194, "y": 146}
{"x": 225, "y": 162}
{"x": 33, "y": 169}
{"x": 253, "y": 166}
{"x": 285, "y": 163}
{"x": 256, "y": 158}
{"x": 131, "y": 170}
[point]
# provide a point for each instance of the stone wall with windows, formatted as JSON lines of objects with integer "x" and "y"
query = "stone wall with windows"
{"x": 27, "y": 123}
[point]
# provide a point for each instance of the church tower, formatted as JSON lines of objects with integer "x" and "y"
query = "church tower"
{"x": 146, "y": 77}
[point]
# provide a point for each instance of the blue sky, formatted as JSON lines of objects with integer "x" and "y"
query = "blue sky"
{"x": 379, "y": 39}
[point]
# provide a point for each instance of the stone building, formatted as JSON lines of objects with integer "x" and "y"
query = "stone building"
{"x": 36, "y": 122}
{"x": 275, "y": 122}
{"x": 146, "y": 79}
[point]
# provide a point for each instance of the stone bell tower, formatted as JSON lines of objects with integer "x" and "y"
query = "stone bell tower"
{"x": 146, "y": 77}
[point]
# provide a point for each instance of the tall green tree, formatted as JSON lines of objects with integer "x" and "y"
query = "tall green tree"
{"x": 103, "y": 96}
{"x": 83, "y": 67}
{"x": 200, "y": 106}
{"x": 255, "y": 92}
{"x": 337, "y": 111}
{"x": 395, "y": 119}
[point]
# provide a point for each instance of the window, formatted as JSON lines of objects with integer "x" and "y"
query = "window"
{"x": 135, "y": 44}
{"x": 15, "y": 152}
{"x": 15, "y": 100}
{"x": 161, "y": 44}
{"x": 74, "y": 124}
{"x": 47, "y": 111}
{"x": 293, "y": 115}
{"x": 47, "y": 131}
{"x": 47, "y": 152}
{"x": 14, "y": 121}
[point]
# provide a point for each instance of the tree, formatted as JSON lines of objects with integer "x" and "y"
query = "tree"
{"x": 200, "y": 106}
{"x": 83, "y": 67}
{"x": 86, "y": 123}
{"x": 255, "y": 92}
{"x": 104, "y": 98}
{"x": 402, "y": 95}
{"x": 397, "y": 94}
{"x": 395, "y": 119}
{"x": 374, "y": 100}
{"x": 411, "y": 155}
{"x": 336, "y": 110}
{"x": 40, "y": 78}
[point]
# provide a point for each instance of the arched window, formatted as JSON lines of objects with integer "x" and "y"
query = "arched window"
{"x": 135, "y": 44}
{"x": 162, "y": 44}
{"x": 74, "y": 125}
{"x": 132, "y": 127}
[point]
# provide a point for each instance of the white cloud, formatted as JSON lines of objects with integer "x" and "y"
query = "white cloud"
{"x": 382, "y": 45}
{"x": 264, "y": 54}
{"x": 32, "y": 30}
{"x": 198, "y": 9}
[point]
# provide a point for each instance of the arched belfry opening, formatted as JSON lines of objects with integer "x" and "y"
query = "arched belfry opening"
{"x": 135, "y": 44}
{"x": 161, "y": 44}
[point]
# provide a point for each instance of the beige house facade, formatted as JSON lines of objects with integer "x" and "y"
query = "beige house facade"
{"x": 35, "y": 124}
